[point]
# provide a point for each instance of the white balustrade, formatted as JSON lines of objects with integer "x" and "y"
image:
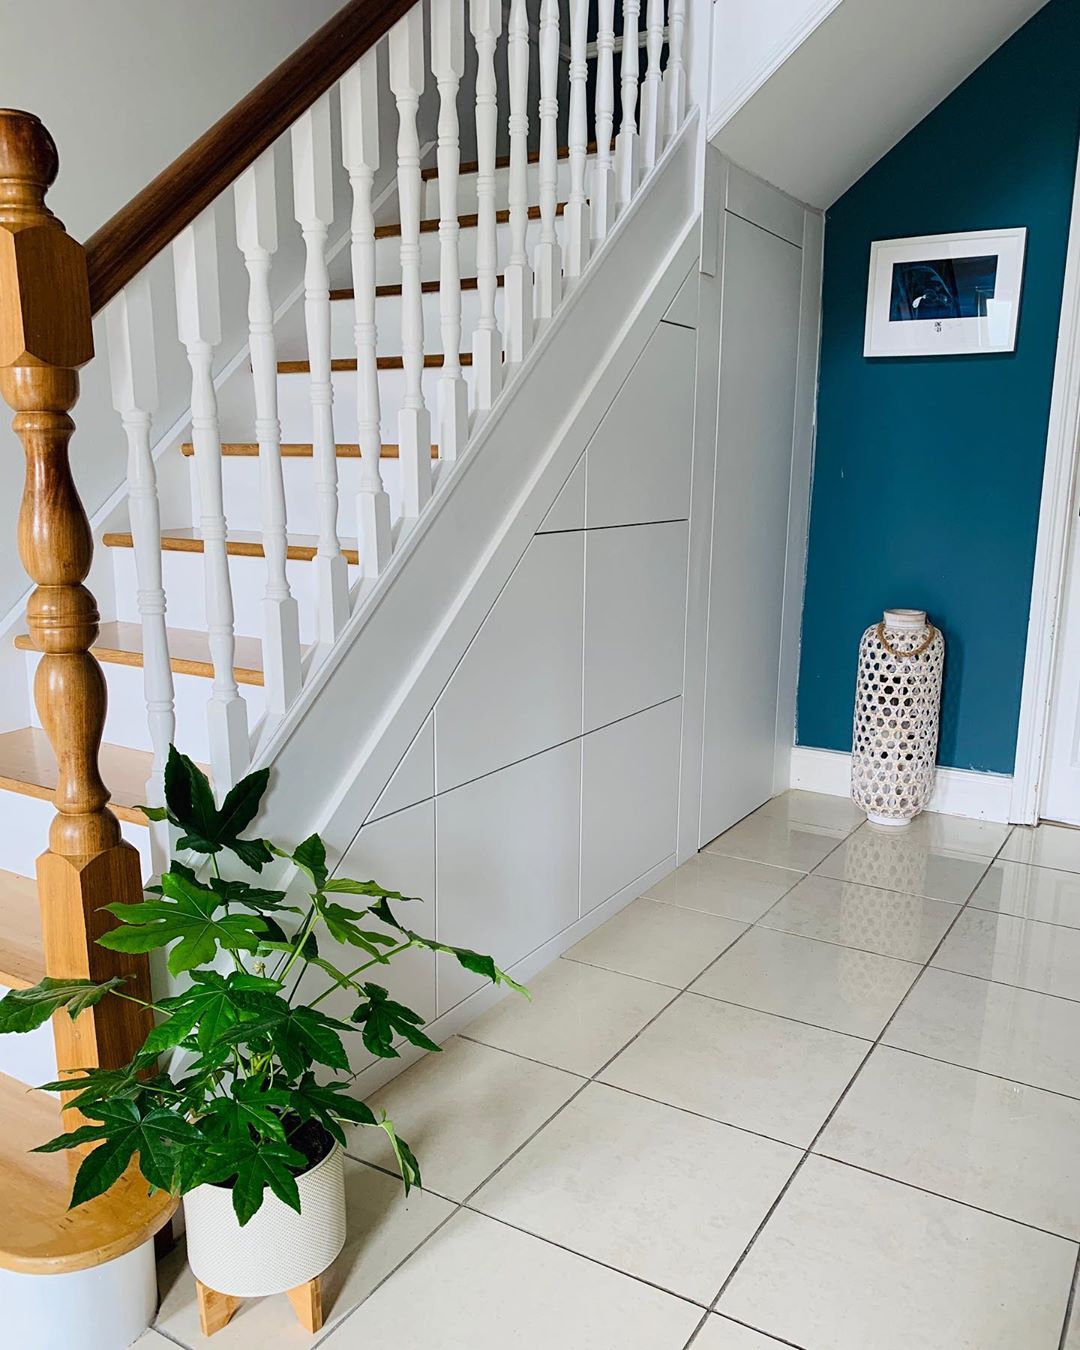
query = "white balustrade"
{"x": 577, "y": 206}
{"x": 485, "y": 22}
{"x": 255, "y": 195}
{"x": 675, "y": 73}
{"x": 198, "y": 310}
{"x": 518, "y": 277}
{"x": 548, "y": 252}
{"x": 628, "y": 143}
{"x": 360, "y": 149}
{"x": 651, "y": 95}
{"x": 414, "y": 420}
{"x": 602, "y": 197}
{"x": 129, "y": 325}
{"x": 313, "y": 207}
{"x": 448, "y": 66}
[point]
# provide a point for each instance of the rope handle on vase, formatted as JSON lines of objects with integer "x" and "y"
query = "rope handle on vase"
{"x": 906, "y": 656}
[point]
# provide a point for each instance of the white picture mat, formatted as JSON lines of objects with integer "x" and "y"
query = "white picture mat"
{"x": 996, "y": 332}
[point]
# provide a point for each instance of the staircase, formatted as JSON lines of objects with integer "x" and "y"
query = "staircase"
{"x": 248, "y": 547}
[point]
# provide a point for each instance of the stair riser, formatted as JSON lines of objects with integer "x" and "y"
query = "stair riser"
{"x": 294, "y": 407}
{"x": 183, "y": 575}
{"x": 388, "y": 324}
{"x": 240, "y": 478}
{"x": 125, "y": 721}
{"x": 388, "y": 252}
{"x": 30, "y": 1056}
{"x": 27, "y": 821}
{"x": 467, "y": 199}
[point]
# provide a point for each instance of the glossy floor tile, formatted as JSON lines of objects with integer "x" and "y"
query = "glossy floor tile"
{"x": 479, "y": 1285}
{"x": 657, "y": 942}
{"x": 662, "y": 1194}
{"x": 463, "y": 1112}
{"x": 794, "y": 1097}
{"x": 841, "y": 988}
{"x": 874, "y": 858}
{"x": 779, "y": 842}
{"x": 733, "y": 887}
{"x": 850, "y": 1261}
{"x": 1045, "y": 846}
{"x": 1013, "y": 1033}
{"x": 578, "y": 1016}
{"x": 747, "y": 1068}
{"x": 1038, "y": 956}
{"x": 887, "y": 922}
{"x": 1043, "y": 893}
{"x": 947, "y": 1129}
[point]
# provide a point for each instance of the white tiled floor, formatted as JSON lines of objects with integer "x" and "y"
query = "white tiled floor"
{"x": 755, "y": 1110}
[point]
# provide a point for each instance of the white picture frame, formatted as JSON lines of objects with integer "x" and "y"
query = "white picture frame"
{"x": 945, "y": 294}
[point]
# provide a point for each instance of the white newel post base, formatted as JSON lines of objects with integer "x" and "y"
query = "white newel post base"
{"x": 278, "y": 1249}
{"x": 895, "y": 732}
{"x": 104, "y": 1308}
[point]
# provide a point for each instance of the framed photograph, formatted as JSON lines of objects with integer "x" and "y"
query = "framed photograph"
{"x": 944, "y": 294}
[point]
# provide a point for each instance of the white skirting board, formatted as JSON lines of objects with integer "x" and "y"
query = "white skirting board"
{"x": 957, "y": 792}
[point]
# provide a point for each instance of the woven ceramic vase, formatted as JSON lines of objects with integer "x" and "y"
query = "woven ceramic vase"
{"x": 276, "y": 1250}
{"x": 897, "y": 698}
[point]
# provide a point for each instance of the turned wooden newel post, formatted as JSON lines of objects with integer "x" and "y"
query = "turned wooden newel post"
{"x": 45, "y": 336}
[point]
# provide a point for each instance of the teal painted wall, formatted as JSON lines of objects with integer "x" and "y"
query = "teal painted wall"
{"x": 928, "y": 470}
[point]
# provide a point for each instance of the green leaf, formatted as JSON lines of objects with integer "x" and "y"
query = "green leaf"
{"x": 350, "y": 887}
{"x": 342, "y": 924}
{"x": 382, "y": 1020}
{"x": 97, "y": 1085}
{"x": 472, "y": 961}
{"x": 241, "y": 804}
{"x": 406, "y": 1159}
{"x": 206, "y": 829}
{"x": 329, "y": 1104}
{"x": 253, "y": 897}
{"x": 219, "y": 1002}
{"x": 315, "y": 1036}
{"x": 186, "y": 913}
{"x": 171, "y": 1031}
{"x": 25, "y": 1009}
{"x": 255, "y": 1165}
{"x": 311, "y": 857}
{"x": 153, "y": 812}
{"x": 190, "y": 799}
{"x": 251, "y": 1106}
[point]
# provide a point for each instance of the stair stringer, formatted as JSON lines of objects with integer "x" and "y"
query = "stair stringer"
{"x": 408, "y": 633}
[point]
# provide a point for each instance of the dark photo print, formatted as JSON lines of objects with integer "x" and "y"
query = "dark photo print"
{"x": 944, "y": 288}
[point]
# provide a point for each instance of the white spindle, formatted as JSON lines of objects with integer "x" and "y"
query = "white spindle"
{"x": 133, "y": 368}
{"x": 548, "y": 252}
{"x": 448, "y": 66}
{"x": 577, "y": 208}
{"x": 485, "y": 21}
{"x": 627, "y": 142}
{"x": 257, "y": 239}
{"x": 313, "y": 203}
{"x": 518, "y": 278}
{"x": 650, "y": 91}
{"x": 602, "y": 197}
{"x": 414, "y": 421}
{"x": 675, "y": 73}
{"x": 360, "y": 149}
{"x": 198, "y": 310}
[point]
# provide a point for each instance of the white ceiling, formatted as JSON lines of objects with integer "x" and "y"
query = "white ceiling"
{"x": 863, "y": 78}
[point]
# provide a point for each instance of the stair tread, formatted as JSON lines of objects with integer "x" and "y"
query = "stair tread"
{"x": 432, "y": 361}
{"x": 28, "y": 766}
{"x": 241, "y": 544}
{"x": 468, "y": 221}
{"x": 391, "y": 289}
{"x": 22, "y": 958}
{"x": 121, "y": 644}
{"x": 298, "y": 450}
{"x": 39, "y": 1235}
{"x": 503, "y": 162}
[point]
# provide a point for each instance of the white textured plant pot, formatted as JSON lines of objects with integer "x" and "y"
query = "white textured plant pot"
{"x": 276, "y": 1250}
{"x": 895, "y": 734}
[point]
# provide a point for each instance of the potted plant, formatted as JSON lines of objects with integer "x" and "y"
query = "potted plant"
{"x": 248, "y": 1122}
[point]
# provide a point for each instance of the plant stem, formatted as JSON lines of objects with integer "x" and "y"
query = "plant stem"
{"x": 360, "y": 969}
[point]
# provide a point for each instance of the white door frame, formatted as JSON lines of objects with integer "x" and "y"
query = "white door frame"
{"x": 1052, "y": 544}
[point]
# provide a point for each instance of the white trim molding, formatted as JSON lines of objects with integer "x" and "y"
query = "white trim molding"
{"x": 957, "y": 792}
{"x": 1052, "y": 542}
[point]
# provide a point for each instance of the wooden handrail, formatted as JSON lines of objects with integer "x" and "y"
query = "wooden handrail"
{"x": 153, "y": 218}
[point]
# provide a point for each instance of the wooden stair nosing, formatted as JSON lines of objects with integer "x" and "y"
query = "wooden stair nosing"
{"x": 503, "y": 162}
{"x": 242, "y": 544}
{"x": 120, "y": 644}
{"x": 469, "y": 221}
{"x": 297, "y": 450}
{"x": 39, "y": 1234}
{"x": 340, "y": 364}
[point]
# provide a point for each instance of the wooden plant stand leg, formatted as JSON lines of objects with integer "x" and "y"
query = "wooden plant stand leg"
{"x": 215, "y": 1310}
{"x": 307, "y": 1304}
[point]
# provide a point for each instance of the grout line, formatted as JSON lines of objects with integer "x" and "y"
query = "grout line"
{"x": 839, "y": 1102}
{"x": 986, "y": 1073}
{"x": 1070, "y": 1304}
